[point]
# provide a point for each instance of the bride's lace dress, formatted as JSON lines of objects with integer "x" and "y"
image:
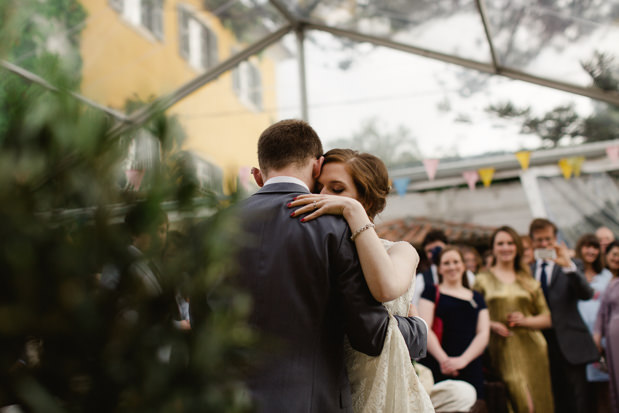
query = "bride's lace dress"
{"x": 387, "y": 383}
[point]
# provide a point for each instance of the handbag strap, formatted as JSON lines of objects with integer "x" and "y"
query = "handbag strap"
{"x": 437, "y": 296}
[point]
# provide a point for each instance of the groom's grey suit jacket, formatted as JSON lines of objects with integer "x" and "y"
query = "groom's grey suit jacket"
{"x": 308, "y": 292}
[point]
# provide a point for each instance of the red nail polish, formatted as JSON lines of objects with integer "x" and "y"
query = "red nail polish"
{"x": 302, "y": 219}
{"x": 289, "y": 204}
{"x": 292, "y": 214}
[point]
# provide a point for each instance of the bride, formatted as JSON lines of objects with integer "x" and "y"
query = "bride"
{"x": 355, "y": 185}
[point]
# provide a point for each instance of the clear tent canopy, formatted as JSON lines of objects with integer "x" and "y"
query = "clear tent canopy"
{"x": 421, "y": 68}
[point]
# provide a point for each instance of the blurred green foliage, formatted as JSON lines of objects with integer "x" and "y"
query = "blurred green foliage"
{"x": 65, "y": 344}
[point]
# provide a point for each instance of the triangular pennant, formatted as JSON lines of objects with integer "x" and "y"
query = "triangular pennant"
{"x": 613, "y": 153}
{"x": 431, "y": 166}
{"x": 486, "y": 175}
{"x": 471, "y": 178}
{"x": 401, "y": 184}
{"x": 566, "y": 167}
{"x": 577, "y": 162}
{"x": 134, "y": 178}
{"x": 523, "y": 158}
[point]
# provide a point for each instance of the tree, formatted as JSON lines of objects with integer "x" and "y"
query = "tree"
{"x": 563, "y": 121}
{"x": 64, "y": 344}
{"x": 40, "y": 36}
{"x": 394, "y": 147}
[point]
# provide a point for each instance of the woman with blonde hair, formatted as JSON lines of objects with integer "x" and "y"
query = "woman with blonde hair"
{"x": 518, "y": 313}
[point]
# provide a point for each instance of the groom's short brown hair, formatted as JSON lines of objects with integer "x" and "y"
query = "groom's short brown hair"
{"x": 287, "y": 142}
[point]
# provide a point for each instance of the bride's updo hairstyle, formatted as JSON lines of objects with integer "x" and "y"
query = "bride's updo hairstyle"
{"x": 369, "y": 175}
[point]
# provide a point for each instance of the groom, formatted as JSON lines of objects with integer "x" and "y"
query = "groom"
{"x": 307, "y": 285}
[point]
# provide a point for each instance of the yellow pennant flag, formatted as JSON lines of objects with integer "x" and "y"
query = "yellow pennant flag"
{"x": 486, "y": 175}
{"x": 523, "y": 157}
{"x": 566, "y": 167}
{"x": 577, "y": 162}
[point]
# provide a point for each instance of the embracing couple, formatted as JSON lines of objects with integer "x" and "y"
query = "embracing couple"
{"x": 317, "y": 273}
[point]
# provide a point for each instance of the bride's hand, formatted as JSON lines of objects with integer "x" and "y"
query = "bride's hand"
{"x": 323, "y": 204}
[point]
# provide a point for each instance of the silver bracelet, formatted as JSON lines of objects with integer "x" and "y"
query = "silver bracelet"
{"x": 360, "y": 230}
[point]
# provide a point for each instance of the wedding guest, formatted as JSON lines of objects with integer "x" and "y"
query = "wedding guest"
{"x": 432, "y": 244}
{"x": 607, "y": 324}
{"x": 147, "y": 226}
{"x": 605, "y": 236}
{"x": 465, "y": 323}
{"x": 518, "y": 312}
{"x": 472, "y": 259}
{"x": 589, "y": 259}
{"x": 487, "y": 259}
{"x": 527, "y": 250}
{"x": 570, "y": 345}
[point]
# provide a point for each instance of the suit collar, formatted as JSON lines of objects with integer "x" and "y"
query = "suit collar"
{"x": 286, "y": 179}
{"x": 553, "y": 275}
{"x": 283, "y": 187}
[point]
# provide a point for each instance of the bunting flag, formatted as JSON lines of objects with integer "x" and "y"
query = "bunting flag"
{"x": 431, "y": 166}
{"x": 244, "y": 174}
{"x": 577, "y": 162}
{"x": 134, "y": 178}
{"x": 613, "y": 153}
{"x": 566, "y": 167}
{"x": 471, "y": 178}
{"x": 486, "y": 175}
{"x": 523, "y": 158}
{"x": 401, "y": 184}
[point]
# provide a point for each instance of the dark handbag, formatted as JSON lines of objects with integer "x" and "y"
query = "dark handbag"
{"x": 437, "y": 323}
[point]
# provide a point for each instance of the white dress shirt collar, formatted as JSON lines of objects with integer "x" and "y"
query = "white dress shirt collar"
{"x": 286, "y": 179}
{"x": 549, "y": 268}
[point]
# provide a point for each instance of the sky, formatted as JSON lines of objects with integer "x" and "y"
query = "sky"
{"x": 398, "y": 88}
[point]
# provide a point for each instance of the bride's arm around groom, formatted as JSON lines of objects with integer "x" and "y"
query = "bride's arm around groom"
{"x": 306, "y": 283}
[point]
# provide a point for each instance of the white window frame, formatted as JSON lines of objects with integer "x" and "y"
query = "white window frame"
{"x": 247, "y": 84}
{"x": 197, "y": 41}
{"x": 146, "y": 14}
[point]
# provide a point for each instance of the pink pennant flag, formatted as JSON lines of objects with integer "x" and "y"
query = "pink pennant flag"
{"x": 613, "y": 153}
{"x": 244, "y": 173}
{"x": 134, "y": 178}
{"x": 471, "y": 178}
{"x": 431, "y": 166}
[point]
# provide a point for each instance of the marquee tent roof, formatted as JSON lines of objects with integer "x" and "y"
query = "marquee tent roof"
{"x": 544, "y": 42}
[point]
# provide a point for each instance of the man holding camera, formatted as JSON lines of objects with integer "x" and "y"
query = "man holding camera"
{"x": 570, "y": 345}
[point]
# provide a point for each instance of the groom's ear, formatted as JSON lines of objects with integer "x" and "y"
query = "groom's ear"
{"x": 257, "y": 176}
{"x": 317, "y": 167}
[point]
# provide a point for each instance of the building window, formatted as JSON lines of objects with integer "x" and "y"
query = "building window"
{"x": 143, "y": 13}
{"x": 247, "y": 84}
{"x": 197, "y": 43}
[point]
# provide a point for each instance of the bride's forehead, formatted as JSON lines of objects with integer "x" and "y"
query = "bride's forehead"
{"x": 335, "y": 170}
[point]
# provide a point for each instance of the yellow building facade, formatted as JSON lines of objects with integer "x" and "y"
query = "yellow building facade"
{"x": 141, "y": 49}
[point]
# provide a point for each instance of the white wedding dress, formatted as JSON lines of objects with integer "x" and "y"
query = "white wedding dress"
{"x": 387, "y": 383}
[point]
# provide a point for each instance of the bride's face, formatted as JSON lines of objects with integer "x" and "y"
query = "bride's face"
{"x": 334, "y": 179}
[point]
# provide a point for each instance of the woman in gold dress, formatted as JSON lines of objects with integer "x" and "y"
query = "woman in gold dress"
{"x": 518, "y": 311}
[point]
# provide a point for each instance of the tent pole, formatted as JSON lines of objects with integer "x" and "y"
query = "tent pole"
{"x": 300, "y": 32}
{"x": 530, "y": 185}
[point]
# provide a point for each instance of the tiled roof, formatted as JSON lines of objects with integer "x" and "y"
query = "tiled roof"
{"x": 414, "y": 229}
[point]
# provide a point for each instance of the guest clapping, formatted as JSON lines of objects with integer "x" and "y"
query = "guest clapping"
{"x": 465, "y": 321}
